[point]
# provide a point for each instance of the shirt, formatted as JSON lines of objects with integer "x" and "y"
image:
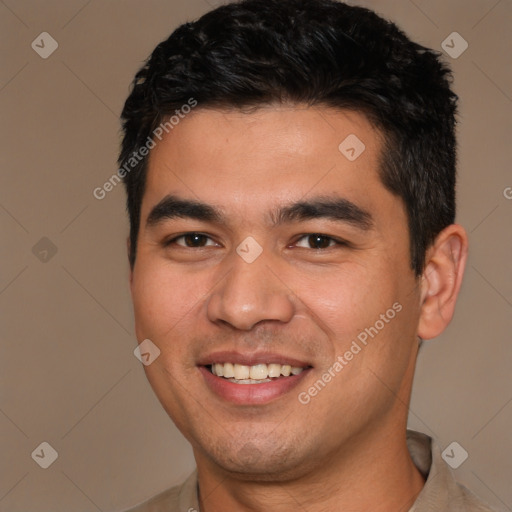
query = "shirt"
{"x": 441, "y": 493}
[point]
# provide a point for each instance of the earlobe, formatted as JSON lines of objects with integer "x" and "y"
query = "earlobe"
{"x": 441, "y": 280}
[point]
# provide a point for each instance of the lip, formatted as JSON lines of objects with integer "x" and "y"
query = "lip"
{"x": 251, "y": 394}
{"x": 250, "y": 359}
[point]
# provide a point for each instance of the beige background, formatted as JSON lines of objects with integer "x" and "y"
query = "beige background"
{"x": 68, "y": 373}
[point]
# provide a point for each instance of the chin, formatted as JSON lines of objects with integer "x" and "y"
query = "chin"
{"x": 262, "y": 462}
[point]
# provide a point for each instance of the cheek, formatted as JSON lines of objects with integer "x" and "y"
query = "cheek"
{"x": 162, "y": 299}
{"x": 369, "y": 313}
{"x": 349, "y": 299}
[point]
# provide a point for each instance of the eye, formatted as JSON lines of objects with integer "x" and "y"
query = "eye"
{"x": 318, "y": 241}
{"x": 192, "y": 240}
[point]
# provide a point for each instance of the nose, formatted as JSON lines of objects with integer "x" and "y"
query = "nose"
{"x": 250, "y": 293}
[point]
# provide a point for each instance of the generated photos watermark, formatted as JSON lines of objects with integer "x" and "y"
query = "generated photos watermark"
{"x": 139, "y": 155}
{"x": 355, "y": 348}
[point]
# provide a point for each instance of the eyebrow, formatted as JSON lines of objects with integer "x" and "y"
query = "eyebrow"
{"x": 172, "y": 207}
{"x": 333, "y": 208}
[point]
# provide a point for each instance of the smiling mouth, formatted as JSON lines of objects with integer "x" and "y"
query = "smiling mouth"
{"x": 256, "y": 374}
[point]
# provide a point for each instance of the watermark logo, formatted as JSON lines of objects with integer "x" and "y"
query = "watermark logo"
{"x": 454, "y": 45}
{"x": 249, "y": 250}
{"x": 44, "y": 45}
{"x": 454, "y": 455}
{"x": 45, "y": 455}
{"x": 44, "y": 250}
{"x": 351, "y": 147}
{"x": 146, "y": 352}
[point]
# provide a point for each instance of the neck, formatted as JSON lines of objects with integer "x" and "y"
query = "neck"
{"x": 375, "y": 473}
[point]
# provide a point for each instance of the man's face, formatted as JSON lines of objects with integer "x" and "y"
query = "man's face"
{"x": 275, "y": 175}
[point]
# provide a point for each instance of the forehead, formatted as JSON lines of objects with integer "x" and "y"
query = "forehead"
{"x": 272, "y": 155}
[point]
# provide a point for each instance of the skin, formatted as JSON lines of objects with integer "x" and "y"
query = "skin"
{"x": 346, "y": 449}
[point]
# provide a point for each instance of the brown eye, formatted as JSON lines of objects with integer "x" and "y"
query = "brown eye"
{"x": 195, "y": 240}
{"x": 316, "y": 241}
{"x": 192, "y": 240}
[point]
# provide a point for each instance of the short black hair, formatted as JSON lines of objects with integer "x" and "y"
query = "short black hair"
{"x": 314, "y": 52}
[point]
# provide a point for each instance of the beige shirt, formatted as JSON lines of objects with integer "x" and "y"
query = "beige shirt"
{"x": 441, "y": 492}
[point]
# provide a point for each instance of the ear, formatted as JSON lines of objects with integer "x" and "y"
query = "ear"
{"x": 441, "y": 280}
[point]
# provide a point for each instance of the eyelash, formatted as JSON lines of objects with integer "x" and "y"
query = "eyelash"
{"x": 337, "y": 241}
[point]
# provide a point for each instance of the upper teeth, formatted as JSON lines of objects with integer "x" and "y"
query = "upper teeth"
{"x": 256, "y": 372}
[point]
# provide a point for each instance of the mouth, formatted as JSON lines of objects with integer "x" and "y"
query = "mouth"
{"x": 255, "y": 374}
{"x": 253, "y": 380}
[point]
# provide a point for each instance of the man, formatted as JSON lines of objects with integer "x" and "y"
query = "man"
{"x": 290, "y": 171}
